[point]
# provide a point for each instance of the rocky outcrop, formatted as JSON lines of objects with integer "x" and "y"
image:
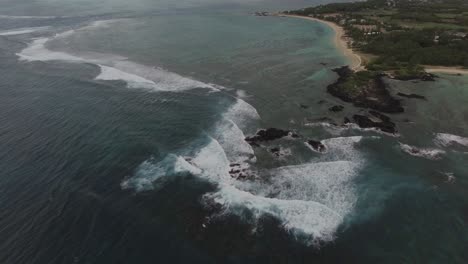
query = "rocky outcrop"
{"x": 423, "y": 76}
{"x": 316, "y": 145}
{"x": 385, "y": 124}
{"x": 237, "y": 171}
{"x": 367, "y": 91}
{"x": 262, "y": 13}
{"x": 336, "y": 108}
{"x": 416, "y": 96}
{"x": 269, "y": 135}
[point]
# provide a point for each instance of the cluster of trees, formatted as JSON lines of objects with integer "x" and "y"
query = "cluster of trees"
{"x": 419, "y": 47}
{"x": 402, "y": 48}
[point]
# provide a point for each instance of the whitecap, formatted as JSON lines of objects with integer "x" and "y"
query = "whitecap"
{"x": 112, "y": 67}
{"x": 20, "y": 31}
{"x": 428, "y": 153}
{"x": 149, "y": 172}
{"x": 445, "y": 140}
{"x": 27, "y": 17}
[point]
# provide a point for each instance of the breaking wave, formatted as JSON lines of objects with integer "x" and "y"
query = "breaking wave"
{"x": 27, "y": 17}
{"x": 445, "y": 140}
{"x": 427, "y": 153}
{"x": 21, "y": 31}
{"x": 112, "y": 67}
{"x": 311, "y": 199}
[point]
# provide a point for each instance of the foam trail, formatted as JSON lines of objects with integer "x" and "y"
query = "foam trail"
{"x": 428, "y": 153}
{"x": 111, "y": 74}
{"x": 21, "y": 31}
{"x": 27, "y": 17}
{"x": 445, "y": 140}
{"x": 112, "y": 67}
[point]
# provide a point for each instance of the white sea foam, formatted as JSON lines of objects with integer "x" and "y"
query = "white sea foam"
{"x": 310, "y": 199}
{"x": 231, "y": 138}
{"x": 112, "y": 67}
{"x": 111, "y": 74}
{"x": 337, "y": 129}
{"x": 428, "y": 153}
{"x": 27, "y": 17}
{"x": 445, "y": 140}
{"x": 148, "y": 172}
{"x": 305, "y": 217}
{"x": 20, "y": 31}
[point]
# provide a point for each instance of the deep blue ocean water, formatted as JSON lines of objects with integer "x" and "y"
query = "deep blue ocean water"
{"x": 120, "y": 122}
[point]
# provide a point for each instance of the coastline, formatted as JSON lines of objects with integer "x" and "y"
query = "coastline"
{"x": 355, "y": 60}
{"x": 444, "y": 69}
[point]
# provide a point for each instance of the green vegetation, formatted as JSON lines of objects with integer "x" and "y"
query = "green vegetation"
{"x": 354, "y": 83}
{"x": 403, "y": 34}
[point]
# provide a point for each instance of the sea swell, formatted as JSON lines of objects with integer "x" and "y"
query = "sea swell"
{"x": 309, "y": 199}
{"x": 112, "y": 67}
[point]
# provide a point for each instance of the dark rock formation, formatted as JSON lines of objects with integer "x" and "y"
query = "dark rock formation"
{"x": 423, "y": 76}
{"x": 336, "y": 108}
{"x": 238, "y": 172}
{"x": 428, "y": 77}
{"x": 269, "y": 135}
{"x": 346, "y": 121}
{"x": 380, "y": 116}
{"x": 303, "y": 106}
{"x": 275, "y": 151}
{"x": 316, "y": 145}
{"x": 262, "y": 13}
{"x": 384, "y": 125}
{"x": 417, "y": 96}
{"x": 372, "y": 94}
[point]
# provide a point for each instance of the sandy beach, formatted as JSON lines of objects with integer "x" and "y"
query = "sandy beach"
{"x": 355, "y": 61}
{"x": 448, "y": 70}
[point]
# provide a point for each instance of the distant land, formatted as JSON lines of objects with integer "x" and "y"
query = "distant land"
{"x": 398, "y": 39}
{"x": 401, "y": 37}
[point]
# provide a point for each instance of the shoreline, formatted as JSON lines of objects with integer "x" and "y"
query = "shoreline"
{"x": 445, "y": 69}
{"x": 355, "y": 60}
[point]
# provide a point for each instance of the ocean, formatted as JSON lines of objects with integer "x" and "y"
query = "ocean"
{"x": 121, "y": 122}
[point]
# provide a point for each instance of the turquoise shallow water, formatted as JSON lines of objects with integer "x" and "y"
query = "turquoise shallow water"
{"x": 117, "y": 137}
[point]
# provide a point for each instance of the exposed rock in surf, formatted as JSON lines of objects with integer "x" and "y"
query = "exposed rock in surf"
{"x": 364, "y": 89}
{"x": 380, "y": 116}
{"x": 239, "y": 171}
{"x": 366, "y": 122}
{"x": 275, "y": 151}
{"x": 346, "y": 121}
{"x": 316, "y": 145}
{"x": 336, "y": 108}
{"x": 269, "y": 135}
{"x": 280, "y": 152}
{"x": 323, "y": 120}
{"x": 416, "y": 96}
